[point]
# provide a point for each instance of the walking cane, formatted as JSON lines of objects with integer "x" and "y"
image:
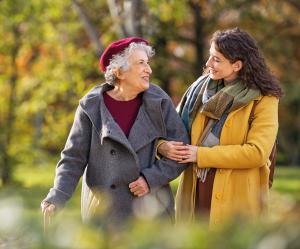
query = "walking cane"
{"x": 47, "y": 213}
{"x": 47, "y": 222}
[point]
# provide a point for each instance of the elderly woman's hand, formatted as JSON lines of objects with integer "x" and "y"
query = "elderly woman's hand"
{"x": 173, "y": 150}
{"x": 48, "y": 208}
{"x": 139, "y": 187}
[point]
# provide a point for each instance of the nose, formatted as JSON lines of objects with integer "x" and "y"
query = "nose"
{"x": 208, "y": 63}
{"x": 148, "y": 69}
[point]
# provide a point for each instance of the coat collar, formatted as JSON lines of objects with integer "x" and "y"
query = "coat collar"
{"x": 147, "y": 126}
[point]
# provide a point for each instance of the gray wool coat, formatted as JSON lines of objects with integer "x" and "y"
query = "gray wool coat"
{"x": 98, "y": 149}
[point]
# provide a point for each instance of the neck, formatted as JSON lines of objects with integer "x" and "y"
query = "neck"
{"x": 121, "y": 93}
{"x": 229, "y": 81}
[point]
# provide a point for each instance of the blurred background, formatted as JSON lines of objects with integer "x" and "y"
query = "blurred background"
{"x": 49, "y": 52}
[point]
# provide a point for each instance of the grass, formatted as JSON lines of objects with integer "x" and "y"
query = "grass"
{"x": 35, "y": 183}
{"x": 287, "y": 181}
{"x": 68, "y": 232}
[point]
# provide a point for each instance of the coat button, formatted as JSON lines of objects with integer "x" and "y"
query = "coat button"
{"x": 218, "y": 196}
{"x": 113, "y": 152}
{"x": 113, "y": 186}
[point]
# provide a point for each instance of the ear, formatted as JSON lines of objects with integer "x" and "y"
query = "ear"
{"x": 118, "y": 73}
{"x": 237, "y": 66}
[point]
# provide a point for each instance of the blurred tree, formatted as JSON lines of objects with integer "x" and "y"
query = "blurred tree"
{"x": 127, "y": 16}
{"x": 9, "y": 90}
{"x": 89, "y": 27}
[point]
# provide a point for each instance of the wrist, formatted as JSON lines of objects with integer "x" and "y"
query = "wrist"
{"x": 160, "y": 146}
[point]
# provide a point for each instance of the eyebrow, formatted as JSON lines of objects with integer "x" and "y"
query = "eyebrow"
{"x": 214, "y": 55}
{"x": 143, "y": 60}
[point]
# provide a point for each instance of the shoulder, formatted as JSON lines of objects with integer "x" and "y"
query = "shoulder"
{"x": 91, "y": 94}
{"x": 154, "y": 97}
{"x": 267, "y": 100}
{"x": 94, "y": 95}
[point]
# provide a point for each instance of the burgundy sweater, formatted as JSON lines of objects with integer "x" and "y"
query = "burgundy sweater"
{"x": 123, "y": 112}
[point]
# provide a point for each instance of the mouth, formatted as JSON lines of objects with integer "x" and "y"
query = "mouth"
{"x": 146, "y": 78}
{"x": 212, "y": 71}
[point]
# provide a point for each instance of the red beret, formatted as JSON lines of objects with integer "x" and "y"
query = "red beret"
{"x": 115, "y": 48}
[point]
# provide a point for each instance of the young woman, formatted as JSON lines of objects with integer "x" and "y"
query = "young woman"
{"x": 230, "y": 170}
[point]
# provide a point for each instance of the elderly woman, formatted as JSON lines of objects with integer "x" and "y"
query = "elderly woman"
{"x": 229, "y": 151}
{"x": 113, "y": 139}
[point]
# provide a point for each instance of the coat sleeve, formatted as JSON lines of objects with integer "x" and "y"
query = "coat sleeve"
{"x": 257, "y": 148}
{"x": 73, "y": 160}
{"x": 163, "y": 171}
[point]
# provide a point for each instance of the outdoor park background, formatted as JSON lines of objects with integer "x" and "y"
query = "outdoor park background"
{"x": 49, "y": 51}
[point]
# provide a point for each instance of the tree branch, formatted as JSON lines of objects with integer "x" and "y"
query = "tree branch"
{"x": 116, "y": 14}
{"x": 294, "y": 3}
{"x": 89, "y": 27}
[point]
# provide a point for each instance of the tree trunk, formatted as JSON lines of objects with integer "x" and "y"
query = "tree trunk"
{"x": 199, "y": 37}
{"x": 134, "y": 17}
{"x": 289, "y": 148}
{"x": 295, "y": 3}
{"x": 6, "y": 173}
{"x": 127, "y": 16}
{"x": 117, "y": 14}
{"x": 295, "y": 155}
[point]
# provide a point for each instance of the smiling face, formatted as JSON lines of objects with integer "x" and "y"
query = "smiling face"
{"x": 221, "y": 68}
{"x": 136, "y": 77}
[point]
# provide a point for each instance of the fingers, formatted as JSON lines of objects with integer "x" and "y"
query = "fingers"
{"x": 48, "y": 208}
{"x": 179, "y": 148}
{"x": 173, "y": 150}
{"x": 176, "y": 151}
{"x": 176, "y": 143}
{"x": 191, "y": 155}
{"x": 179, "y": 158}
{"x": 139, "y": 187}
{"x": 188, "y": 160}
{"x": 138, "y": 191}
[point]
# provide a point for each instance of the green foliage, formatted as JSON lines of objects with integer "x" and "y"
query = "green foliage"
{"x": 22, "y": 222}
{"x": 286, "y": 180}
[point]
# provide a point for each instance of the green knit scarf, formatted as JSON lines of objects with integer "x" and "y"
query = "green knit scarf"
{"x": 213, "y": 98}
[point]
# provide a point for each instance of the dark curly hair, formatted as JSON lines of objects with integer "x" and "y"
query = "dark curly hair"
{"x": 236, "y": 45}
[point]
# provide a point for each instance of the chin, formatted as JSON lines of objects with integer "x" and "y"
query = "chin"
{"x": 146, "y": 86}
{"x": 214, "y": 77}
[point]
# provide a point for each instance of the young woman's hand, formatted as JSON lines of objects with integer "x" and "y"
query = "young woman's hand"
{"x": 173, "y": 150}
{"x": 191, "y": 154}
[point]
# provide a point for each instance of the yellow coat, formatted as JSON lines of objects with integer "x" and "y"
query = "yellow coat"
{"x": 241, "y": 160}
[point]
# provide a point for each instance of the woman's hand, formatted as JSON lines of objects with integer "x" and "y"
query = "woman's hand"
{"x": 139, "y": 187}
{"x": 48, "y": 208}
{"x": 173, "y": 150}
{"x": 191, "y": 154}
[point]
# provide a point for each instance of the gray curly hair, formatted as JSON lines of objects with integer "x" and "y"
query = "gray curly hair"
{"x": 120, "y": 60}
